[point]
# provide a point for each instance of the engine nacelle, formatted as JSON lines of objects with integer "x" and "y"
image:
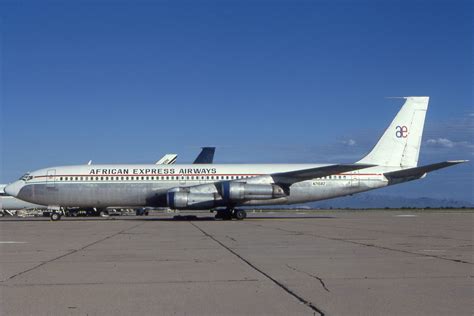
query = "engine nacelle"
{"x": 186, "y": 200}
{"x": 236, "y": 191}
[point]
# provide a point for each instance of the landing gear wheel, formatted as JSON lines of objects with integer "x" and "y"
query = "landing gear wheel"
{"x": 55, "y": 216}
{"x": 240, "y": 214}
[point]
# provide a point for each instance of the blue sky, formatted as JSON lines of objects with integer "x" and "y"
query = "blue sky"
{"x": 264, "y": 81}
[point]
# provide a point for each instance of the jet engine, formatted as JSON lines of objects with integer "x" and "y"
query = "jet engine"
{"x": 236, "y": 191}
{"x": 186, "y": 200}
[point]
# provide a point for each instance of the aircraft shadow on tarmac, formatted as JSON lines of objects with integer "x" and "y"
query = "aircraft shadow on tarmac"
{"x": 178, "y": 218}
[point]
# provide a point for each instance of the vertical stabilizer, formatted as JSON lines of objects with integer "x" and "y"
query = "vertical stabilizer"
{"x": 400, "y": 144}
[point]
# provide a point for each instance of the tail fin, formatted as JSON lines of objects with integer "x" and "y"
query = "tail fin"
{"x": 400, "y": 144}
{"x": 206, "y": 155}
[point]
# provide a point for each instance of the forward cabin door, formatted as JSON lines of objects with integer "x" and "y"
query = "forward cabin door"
{"x": 51, "y": 178}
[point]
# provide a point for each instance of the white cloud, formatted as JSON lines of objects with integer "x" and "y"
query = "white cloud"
{"x": 447, "y": 143}
{"x": 349, "y": 142}
{"x": 442, "y": 142}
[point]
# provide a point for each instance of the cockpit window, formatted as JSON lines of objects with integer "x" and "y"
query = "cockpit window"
{"x": 26, "y": 177}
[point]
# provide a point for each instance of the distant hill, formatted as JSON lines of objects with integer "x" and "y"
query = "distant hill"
{"x": 369, "y": 200}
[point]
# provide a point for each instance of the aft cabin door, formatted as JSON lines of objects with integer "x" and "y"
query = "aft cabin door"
{"x": 355, "y": 179}
{"x": 50, "y": 178}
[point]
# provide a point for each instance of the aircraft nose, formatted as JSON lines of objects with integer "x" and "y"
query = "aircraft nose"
{"x": 14, "y": 188}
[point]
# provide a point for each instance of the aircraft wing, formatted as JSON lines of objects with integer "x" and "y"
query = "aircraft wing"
{"x": 206, "y": 155}
{"x": 282, "y": 179}
{"x": 291, "y": 177}
{"x": 418, "y": 172}
{"x": 167, "y": 159}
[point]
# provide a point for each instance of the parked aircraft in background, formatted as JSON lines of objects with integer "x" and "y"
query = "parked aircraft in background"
{"x": 393, "y": 160}
{"x": 10, "y": 203}
{"x": 167, "y": 159}
{"x": 206, "y": 156}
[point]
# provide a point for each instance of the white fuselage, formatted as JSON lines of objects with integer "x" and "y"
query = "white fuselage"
{"x": 145, "y": 185}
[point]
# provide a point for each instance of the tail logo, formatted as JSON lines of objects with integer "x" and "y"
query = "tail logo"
{"x": 401, "y": 131}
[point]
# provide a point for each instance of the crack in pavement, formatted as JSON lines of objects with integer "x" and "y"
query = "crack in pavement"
{"x": 69, "y": 253}
{"x": 373, "y": 245}
{"x": 233, "y": 239}
{"x": 314, "y": 308}
{"x": 311, "y": 275}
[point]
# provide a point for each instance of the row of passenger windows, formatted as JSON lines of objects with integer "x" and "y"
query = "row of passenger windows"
{"x": 333, "y": 177}
{"x": 152, "y": 178}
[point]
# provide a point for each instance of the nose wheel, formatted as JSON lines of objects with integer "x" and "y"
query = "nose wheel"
{"x": 55, "y": 216}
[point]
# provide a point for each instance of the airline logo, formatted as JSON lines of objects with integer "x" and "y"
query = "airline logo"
{"x": 401, "y": 131}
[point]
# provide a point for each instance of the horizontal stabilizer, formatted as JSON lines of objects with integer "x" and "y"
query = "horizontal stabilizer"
{"x": 419, "y": 172}
{"x": 312, "y": 173}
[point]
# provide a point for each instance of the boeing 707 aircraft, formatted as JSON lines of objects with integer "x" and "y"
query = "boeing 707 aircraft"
{"x": 393, "y": 160}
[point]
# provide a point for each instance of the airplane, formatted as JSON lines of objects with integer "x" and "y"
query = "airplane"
{"x": 226, "y": 187}
{"x": 206, "y": 156}
{"x": 167, "y": 159}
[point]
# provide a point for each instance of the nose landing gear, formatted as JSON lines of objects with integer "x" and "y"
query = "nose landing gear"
{"x": 55, "y": 216}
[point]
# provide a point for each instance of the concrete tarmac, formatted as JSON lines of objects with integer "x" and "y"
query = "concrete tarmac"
{"x": 273, "y": 263}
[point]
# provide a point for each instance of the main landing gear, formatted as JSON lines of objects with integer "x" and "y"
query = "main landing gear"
{"x": 229, "y": 214}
